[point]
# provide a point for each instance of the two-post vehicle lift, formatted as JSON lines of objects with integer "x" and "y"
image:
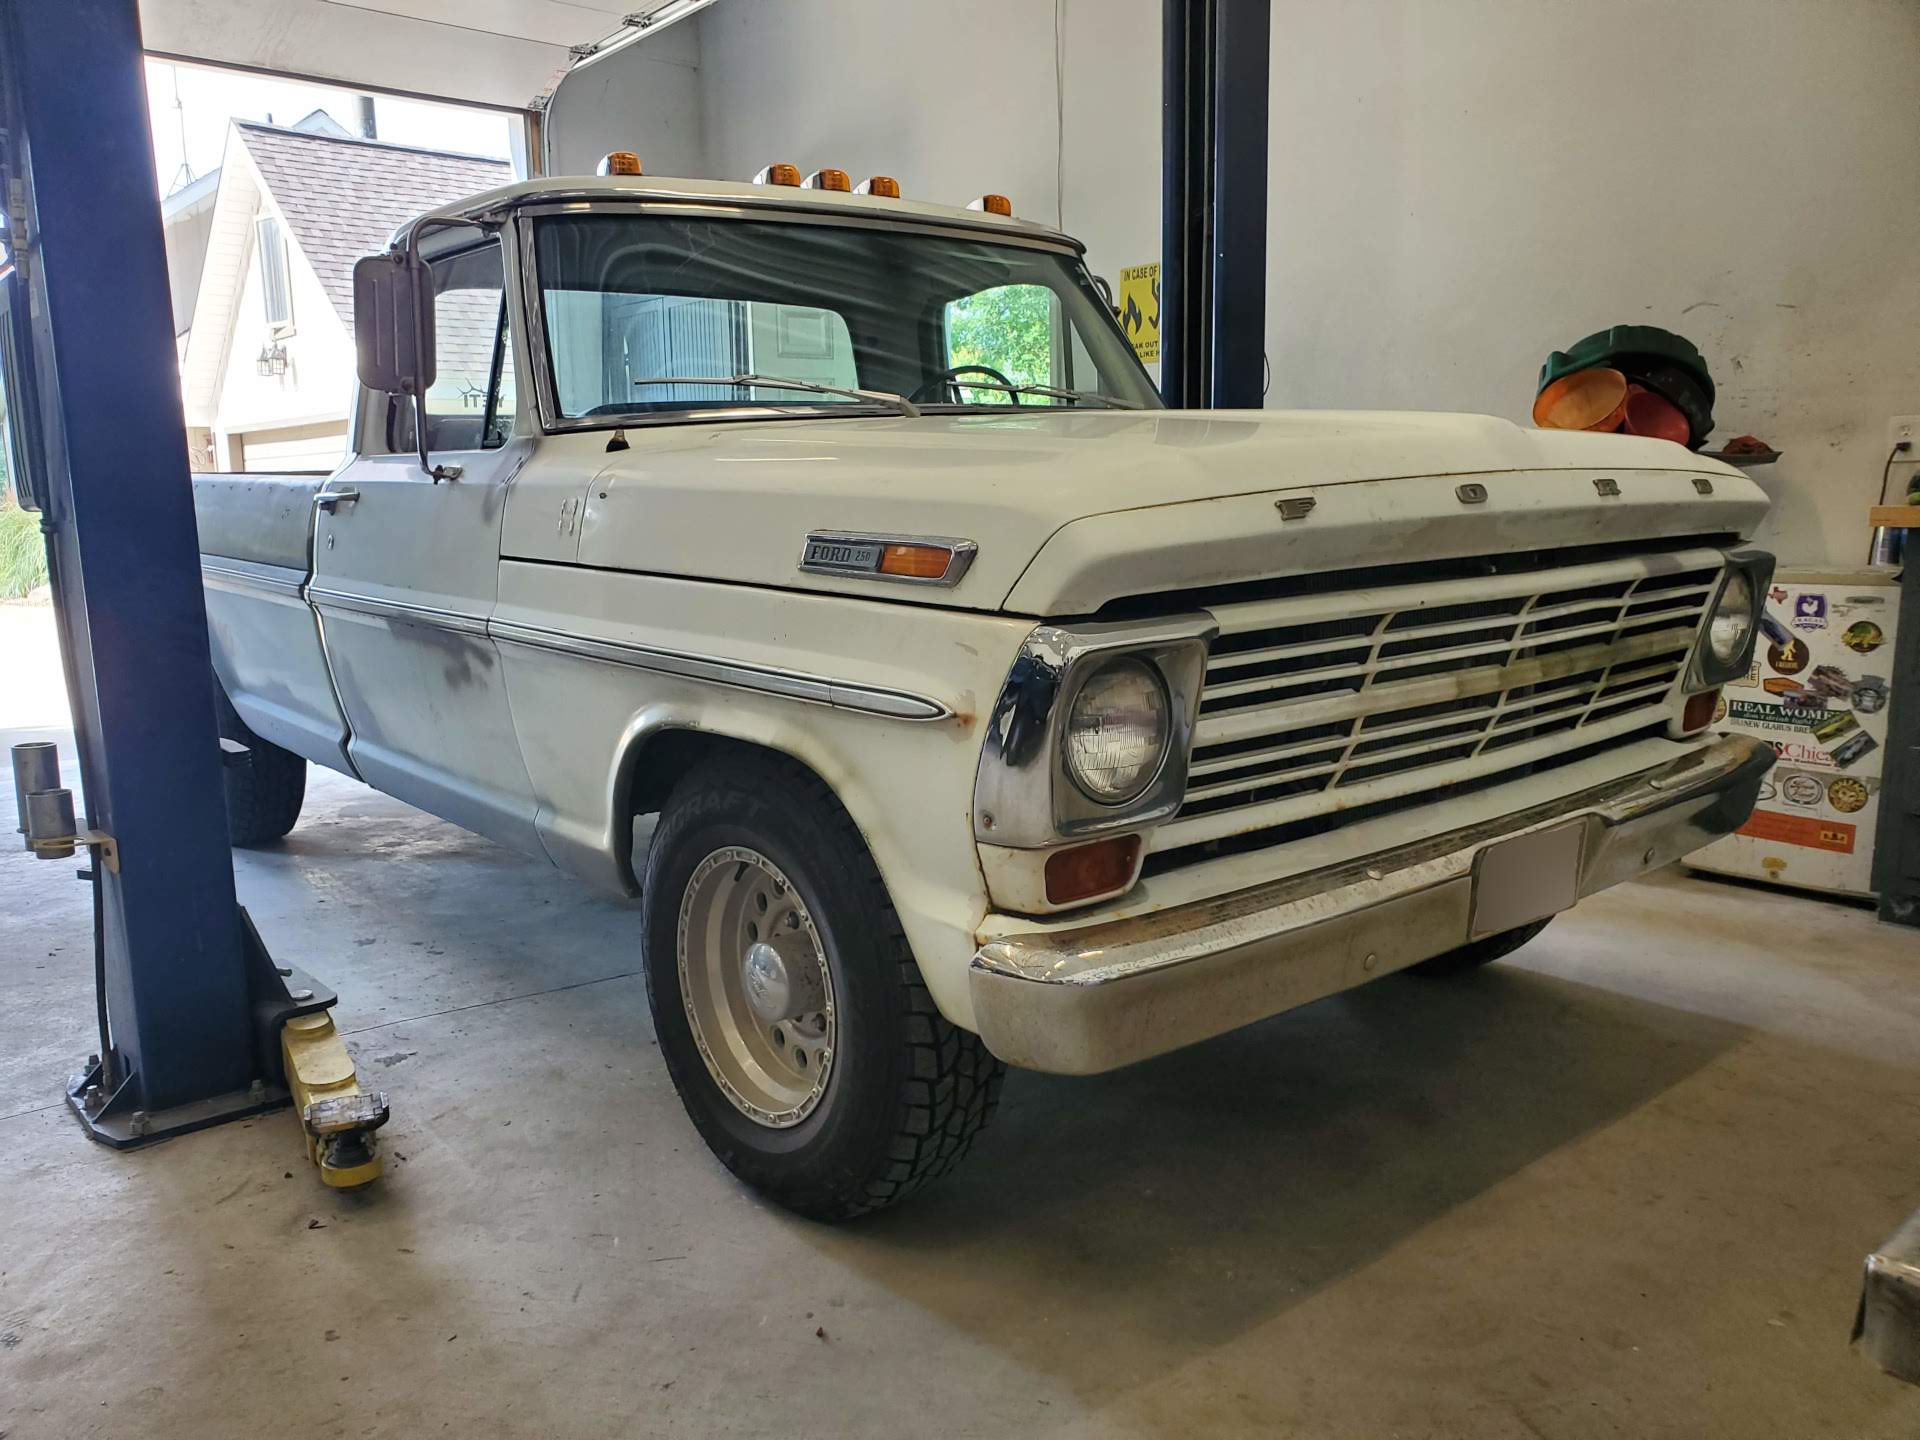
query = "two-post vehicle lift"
{"x": 198, "y": 1025}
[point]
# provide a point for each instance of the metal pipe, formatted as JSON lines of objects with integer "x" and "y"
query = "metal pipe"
{"x": 50, "y": 819}
{"x": 36, "y": 766}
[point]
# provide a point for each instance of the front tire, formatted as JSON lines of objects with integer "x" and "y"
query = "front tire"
{"x": 793, "y": 1020}
{"x": 1484, "y": 951}
{"x": 265, "y": 794}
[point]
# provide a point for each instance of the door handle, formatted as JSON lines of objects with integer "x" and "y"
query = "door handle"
{"x": 329, "y": 500}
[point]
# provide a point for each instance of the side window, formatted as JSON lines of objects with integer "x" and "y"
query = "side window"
{"x": 470, "y": 403}
{"x": 1014, "y": 329}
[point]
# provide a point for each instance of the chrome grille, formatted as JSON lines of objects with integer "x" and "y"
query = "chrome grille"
{"x": 1329, "y": 702}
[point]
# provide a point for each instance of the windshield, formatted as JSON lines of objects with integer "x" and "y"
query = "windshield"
{"x": 632, "y": 300}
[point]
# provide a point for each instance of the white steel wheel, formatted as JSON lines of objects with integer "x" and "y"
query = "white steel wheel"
{"x": 756, "y": 986}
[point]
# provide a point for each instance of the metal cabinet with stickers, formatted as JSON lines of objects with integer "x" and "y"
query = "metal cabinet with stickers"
{"x": 1820, "y": 691}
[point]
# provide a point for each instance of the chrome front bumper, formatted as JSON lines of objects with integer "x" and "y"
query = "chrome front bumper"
{"x": 1076, "y": 1002}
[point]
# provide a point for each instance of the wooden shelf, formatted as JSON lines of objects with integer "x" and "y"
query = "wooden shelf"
{"x": 1899, "y": 517}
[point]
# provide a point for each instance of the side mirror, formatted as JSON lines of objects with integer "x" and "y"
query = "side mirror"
{"x": 1105, "y": 287}
{"x": 393, "y": 323}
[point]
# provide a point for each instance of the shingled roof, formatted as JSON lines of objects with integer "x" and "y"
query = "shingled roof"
{"x": 344, "y": 197}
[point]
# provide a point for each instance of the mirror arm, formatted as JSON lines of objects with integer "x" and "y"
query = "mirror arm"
{"x": 424, "y": 296}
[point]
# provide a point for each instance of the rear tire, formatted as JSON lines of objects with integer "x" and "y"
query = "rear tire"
{"x": 1476, "y": 953}
{"x": 264, "y": 795}
{"x": 867, "y": 1093}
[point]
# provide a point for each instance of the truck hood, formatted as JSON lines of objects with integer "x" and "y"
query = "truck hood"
{"x": 1073, "y": 509}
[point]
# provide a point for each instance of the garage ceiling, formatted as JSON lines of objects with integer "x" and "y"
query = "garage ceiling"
{"x": 487, "y": 52}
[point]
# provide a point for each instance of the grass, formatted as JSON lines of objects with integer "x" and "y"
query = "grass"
{"x": 23, "y": 554}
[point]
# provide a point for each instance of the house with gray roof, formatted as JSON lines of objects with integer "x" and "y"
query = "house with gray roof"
{"x": 268, "y": 358}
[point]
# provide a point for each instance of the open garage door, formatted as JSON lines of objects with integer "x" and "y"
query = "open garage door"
{"x": 489, "y": 52}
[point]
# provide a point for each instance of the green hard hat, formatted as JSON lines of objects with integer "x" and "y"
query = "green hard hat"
{"x": 1605, "y": 347}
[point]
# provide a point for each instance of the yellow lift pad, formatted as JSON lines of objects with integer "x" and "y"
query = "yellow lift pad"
{"x": 337, "y": 1116}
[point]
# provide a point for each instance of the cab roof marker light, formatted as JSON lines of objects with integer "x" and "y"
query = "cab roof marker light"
{"x": 619, "y": 162}
{"x": 993, "y": 205}
{"x": 828, "y": 179}
{"x": 884, "y": 186}
{"x": 778, "y": 173}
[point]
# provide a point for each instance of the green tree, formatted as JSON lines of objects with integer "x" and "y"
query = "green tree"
{"x": 1009, "y": 328}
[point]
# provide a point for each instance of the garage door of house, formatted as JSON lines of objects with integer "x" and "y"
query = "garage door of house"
{"x": 293, "y": 447}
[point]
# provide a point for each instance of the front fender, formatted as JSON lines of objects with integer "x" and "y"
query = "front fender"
{"x": 602, "y": 698}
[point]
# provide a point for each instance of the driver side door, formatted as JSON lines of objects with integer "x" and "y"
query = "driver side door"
{"x": 407, "y": 570}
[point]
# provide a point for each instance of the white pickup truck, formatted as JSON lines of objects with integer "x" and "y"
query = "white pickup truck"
{"x": 992, "y": 714}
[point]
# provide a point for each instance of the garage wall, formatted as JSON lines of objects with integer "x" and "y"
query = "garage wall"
{"x": 952, "y": 101}
{"x": 1458, "y": 189}
{"x": 645, "y": 98}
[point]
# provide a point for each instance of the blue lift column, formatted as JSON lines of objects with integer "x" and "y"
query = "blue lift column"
{"x": 94, "y": 385}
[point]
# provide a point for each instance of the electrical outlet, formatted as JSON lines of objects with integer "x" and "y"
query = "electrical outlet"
{"x": 1904, "y": 430}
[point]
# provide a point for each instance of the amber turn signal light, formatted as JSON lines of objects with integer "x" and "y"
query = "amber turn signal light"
{"x": 778, "y": 174}
{"x": 1699, "y": 712}
{"x": 883, "y": 185}
{"x": 916, "y": 562}
{"x": 827, "y": 179}
{"x": 620, "y": 162}
{"x": 1103, "y": 867}
{"x": 993, "y": 205}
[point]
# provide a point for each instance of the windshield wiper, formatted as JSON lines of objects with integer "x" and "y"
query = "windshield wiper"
{"x": 1052, "y": 392}
{"x": 899, "y": 404}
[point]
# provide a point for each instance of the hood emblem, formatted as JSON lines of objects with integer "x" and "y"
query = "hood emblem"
{"x": 1605, "y": 486}
{"x": 905, "y": 559}
{"x": 1471, "y": 494}
{"x": 1294, "y": 507}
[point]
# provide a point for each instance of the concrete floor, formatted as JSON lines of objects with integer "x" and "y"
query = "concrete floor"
{"x": 1618, "y": 1186}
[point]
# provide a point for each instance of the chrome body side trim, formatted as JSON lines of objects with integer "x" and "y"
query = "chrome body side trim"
{"x": 1107, "y": 994}
{"x": 1022, "y": 796}
{"x": 765, "y": 680}
{"x": 252, "y": 576}
{"x": 461, "y": 622}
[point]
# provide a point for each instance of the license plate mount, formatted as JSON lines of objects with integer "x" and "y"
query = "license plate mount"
{"x": 1527, "y": 878}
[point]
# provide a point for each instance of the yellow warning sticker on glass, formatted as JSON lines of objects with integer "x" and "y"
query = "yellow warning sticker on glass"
{"x": 1139, "y": 302}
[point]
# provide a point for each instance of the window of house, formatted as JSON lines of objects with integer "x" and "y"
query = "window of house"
{"x": 470, "y": 405}
{"x": 275, "y": 288}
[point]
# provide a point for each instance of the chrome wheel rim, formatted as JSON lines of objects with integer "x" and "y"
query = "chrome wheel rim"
{"x": 756, "y": 986}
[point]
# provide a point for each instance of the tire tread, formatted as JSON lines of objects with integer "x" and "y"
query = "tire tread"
{"x": 950, "y": 1085}
{"x": 264, "y": 796}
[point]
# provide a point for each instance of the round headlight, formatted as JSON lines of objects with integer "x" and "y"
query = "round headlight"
{"x": 1117, "y": 731}
{"x": 1732, "y": 620}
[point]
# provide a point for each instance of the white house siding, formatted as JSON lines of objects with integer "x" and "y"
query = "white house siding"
{"x": 336, "y": 198}
{"x": 320, "y": 363}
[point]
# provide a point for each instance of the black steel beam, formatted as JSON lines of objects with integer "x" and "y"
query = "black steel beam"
{"x": 1213, "y": 211}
